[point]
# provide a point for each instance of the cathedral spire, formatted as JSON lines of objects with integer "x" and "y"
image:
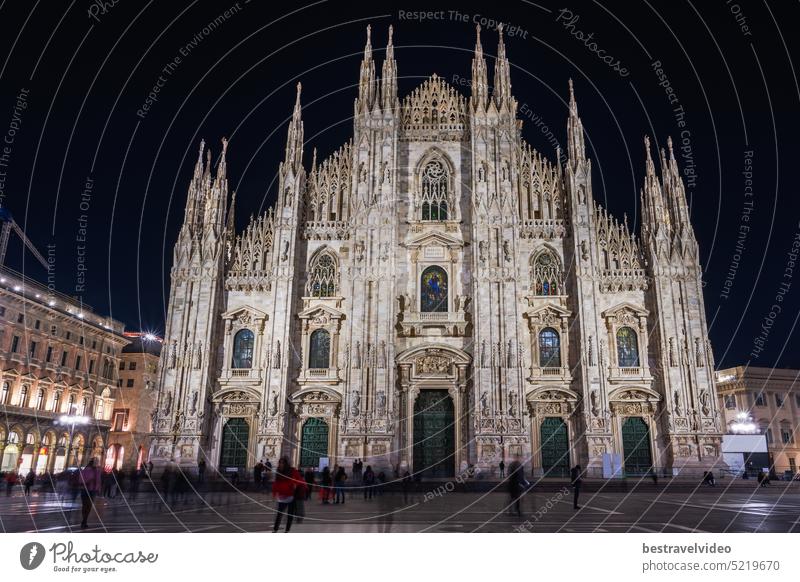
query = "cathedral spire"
{"x": 480, "y": 83}
{"x": 217, "y": 194}
{"x": 655, "y": 220}
{"x": 389, "y": 77}
{"x": 676, "y": 196}
{"x": 502, "y": 73}
{"x": 366, "y": 82}
{"x": 193, "y": 215}
{"x": 294, "y": 139}
{"x": 576, "y": 149}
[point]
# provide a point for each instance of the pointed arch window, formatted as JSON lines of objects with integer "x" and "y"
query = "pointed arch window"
{"x": 546, "y": 274}
{"x": 243, "y": 349}
{"x": 319, "y": 353}
{"x": 549, "y": 348}
{"x": 4, "y": 393}
{"x": 435, "y": 191}
{"x": 23, "y": 395}
{"x": 323, "y": 278}
{"x": 40, "y": 399}
{"x": 433, "y": 290}
{"x": 627, "y": 348}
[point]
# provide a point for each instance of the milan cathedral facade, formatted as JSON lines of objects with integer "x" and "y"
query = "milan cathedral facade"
{"x": 437, "y": 294}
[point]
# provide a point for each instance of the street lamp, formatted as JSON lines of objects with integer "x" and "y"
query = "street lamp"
{"x": 72, "y": 420}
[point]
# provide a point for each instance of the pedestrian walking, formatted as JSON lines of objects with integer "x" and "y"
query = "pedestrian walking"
{"x": 30, "y": 479}
{"x": 406, "y": 485}
{"x": 516, "y": 478}
{"x": 11, "y": 480}
{"x": 90, "y": 478}
{"x": 576, "y": 481}
{"x": 502, "y": 469}
{"x": 326, "y": 481}
{"x": 309, "y": 479}
{"x": 201, "y": 471}
{"x": 368, "y": 481}
{"x": 338, "y": 485}
{"x": 257, "y": 474}
{"x": 285, "y": 489}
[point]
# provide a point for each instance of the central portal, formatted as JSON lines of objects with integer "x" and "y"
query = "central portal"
{"x": 434, "y": 434}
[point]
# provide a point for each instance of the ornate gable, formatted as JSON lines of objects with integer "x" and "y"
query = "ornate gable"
{"x": 434, "y": 111}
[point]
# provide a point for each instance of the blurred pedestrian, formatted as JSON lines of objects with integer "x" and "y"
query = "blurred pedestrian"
{"x": 406, "y": 485}
{"x": 516, "y": 478}
{"x": 30, "y": 479}
{"x": 309, "y": 479}
{"x": 576, "y": 481}
{"x": 284, "y": 490}
{"x": 11, "y": 480}
{"x": 502, "y": 469}
{"x": 326, "y": 481}
{"x": 90, "y": 478}
{"x": 257, "y": 475}
{"x": 338, "y": 485}
{"x": 201, "y": 471}
{"x": 368, "y": 482}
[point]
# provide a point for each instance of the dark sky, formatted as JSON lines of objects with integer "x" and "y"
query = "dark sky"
{"x": 84, "y": 71}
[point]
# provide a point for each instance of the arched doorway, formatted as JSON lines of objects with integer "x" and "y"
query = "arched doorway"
{"x": 434, "y": 434}
{"x": 636, "y": 446}
{"x": 314, "y": 442}
{"x": 235, "y": 440}
{"x": 554, "y": 447}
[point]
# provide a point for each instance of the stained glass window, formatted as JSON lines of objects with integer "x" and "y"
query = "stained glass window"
{"x": 322, "y": 281}
{"x": 243, "y": 349}
{"x": 549, "y": 348}
{"x": 546, "y": 274}
{"x": 319, "y": 354}
{"x": 627, "y": 348}
{"x": 434, "y": 196}
{"x": 433, "y": 290}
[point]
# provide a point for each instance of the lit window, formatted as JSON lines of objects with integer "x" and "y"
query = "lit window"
{"x": 546, "y": 274}
{"x": 433, "y": 290}
{"x": 627, "y": 348}
{"x": 730, "y": 401}
{"x": 320, "y": 349}
{"x": 434, "y": 196}
{"x": 243, "y": 349}
{"x": 549, "y": 348}
{"x": 323, "y": 277}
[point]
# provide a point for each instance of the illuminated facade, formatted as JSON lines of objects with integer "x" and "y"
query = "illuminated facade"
{"x": 436, "y": 293}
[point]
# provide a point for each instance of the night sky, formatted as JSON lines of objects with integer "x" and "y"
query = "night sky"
{"x": 717, "y": 76}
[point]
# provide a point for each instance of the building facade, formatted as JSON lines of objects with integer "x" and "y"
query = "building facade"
{"x": 770, "y": 400}
{"x": 57, "y": 358}
{"x": 434, "y": 294}
{"x": 134, "y": 402}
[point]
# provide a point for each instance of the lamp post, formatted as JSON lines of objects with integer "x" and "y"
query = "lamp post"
{"x": 71, "y": 420}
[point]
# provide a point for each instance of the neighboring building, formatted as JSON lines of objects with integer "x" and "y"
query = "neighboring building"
{"x": 434, "y": 294}
{"x": 57, "y": 358}
{"x": 134, "y": 402}
{"x": 771, "y": 397}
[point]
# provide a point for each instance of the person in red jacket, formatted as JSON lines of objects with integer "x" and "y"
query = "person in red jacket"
{"x": 286, "y": 488}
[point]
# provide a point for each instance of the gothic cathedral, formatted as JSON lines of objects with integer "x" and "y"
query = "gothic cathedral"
{"x": 437, "y": 294}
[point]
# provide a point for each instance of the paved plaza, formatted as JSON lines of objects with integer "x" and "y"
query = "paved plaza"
{"x": 641, "y": 508}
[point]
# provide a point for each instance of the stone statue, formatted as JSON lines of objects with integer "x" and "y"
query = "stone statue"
{"x": 273, "y": 404}
{"x": 357, "y": 356}
{"x": 276, "y": 360}
{"x": 285, "y": 253}
{"x": 355, "y": 403}
{"x": 704, "y": 407}
{"x": 193, "y": 408}
{"x": 590, "y": 351}
{"x": 593, "y": 398}
{"x": 167, "y": 403}
{"x": 484, "y": 355}
{"x": 677, "y": 402}
{"x": 382, "y": 355}
{"x": 512, "y": 406}
{"x": 483, "y": 249}
{"x": 485, "y": 403}
{"x": 198, "y": 355}
{"x": 380, "y": 401}
{"x": 507, "y": 250}
{"x": 173, "y": 354}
